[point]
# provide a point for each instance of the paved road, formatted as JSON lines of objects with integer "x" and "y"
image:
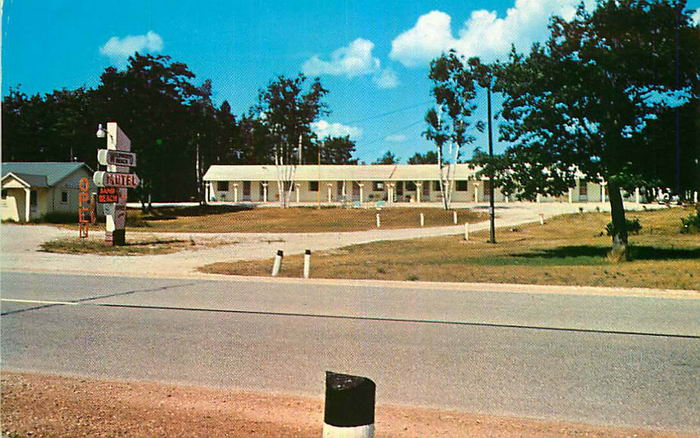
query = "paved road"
{"x": 597, "y": 359}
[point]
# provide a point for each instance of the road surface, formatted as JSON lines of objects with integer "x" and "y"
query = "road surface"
{"x": 610, "y": 360}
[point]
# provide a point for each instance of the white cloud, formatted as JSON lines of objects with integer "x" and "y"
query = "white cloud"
{"x": 386, "y": 78}
{"x": 696, "y": 17}
{"x": 354, "y": 60}
{"x": 396, "y": 138}
{"x": 323, "y": 129}
{"x": 118, "y": 49}
{"x": 484, "y": 34}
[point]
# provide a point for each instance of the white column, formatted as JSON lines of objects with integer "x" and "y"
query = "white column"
{"x": 602, "y": 192}
{"x": 330, "y": 193}
{"x": 476, "y": 192}
{"x": 235, "y": 193}
{"x": 362, "y": 192}
{"x": 419, "y": 189}
{"x": 298, "y": 187}
{"x": 571, "y": 195}
{"x": 28, "y": 195}
{"x": 345, "y": 192}
{"x": 695, "y": 197}
{"x": 539, "y": 198}
{"x": 636, "y": 195}
{"x": 264, "y": 192}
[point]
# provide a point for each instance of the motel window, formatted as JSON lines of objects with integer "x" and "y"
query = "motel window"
{"x": 378, "y": 186}
{"x": 4, "y": 194}
{"x": 32, "y": 198}
{"x": 583, "y": 189}
{"x": 410, "y": 186}
{"x": 64, "y": 197}
{"x": 426, "y": 188}
{"x": 436, "y": 186}
{"x": 246, "y": 188}
{"x": 461, "y": 186}
{"x": 222, "y": 186}
{"x": 399, "y": 188}
{"x": 313, "y": 186}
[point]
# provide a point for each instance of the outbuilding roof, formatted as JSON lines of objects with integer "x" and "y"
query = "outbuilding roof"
{"x": 41, "y": 174}
{"x": 336, "y": 172}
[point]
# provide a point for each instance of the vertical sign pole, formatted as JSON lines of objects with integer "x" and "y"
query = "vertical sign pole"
{"x": 116, "y": 220}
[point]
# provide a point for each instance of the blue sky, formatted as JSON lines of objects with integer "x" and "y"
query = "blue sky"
{"x": 373, "y": 56}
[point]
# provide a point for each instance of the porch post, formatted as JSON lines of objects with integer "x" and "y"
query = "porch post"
{"x": 476, "y": 192}
{"x": 636, "y": 195}
{"x": 235, "y": 193}
{"x": 28, "y": 194}
{"x": 571, "y": 195}
{"x": 298, "y": 189}
{"x": 264, "y": 192}
{"x": 330, "y": 192}
{"x": 419, "y": 189}
{"x": 362, "y": 192}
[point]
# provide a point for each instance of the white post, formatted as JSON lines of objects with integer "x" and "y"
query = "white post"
{"x": 235, "y": 193}
{"x": 28, "y": 195}
{"x": 362, "y": 193}
{"x": 344, "y": 190}
{"x": 277, "y": 263}
{"x": 422, "y": 219}
{"x": 541, "y": 218}
{"x": 265, "y": 192}
{"x": 636, "y": 195}
{"x": 571, "y": 195}
{"x": 466, "y": 231}
{"x": 391, "y": 194}
{"x": 379, "y": 221}
{"x": 330, "y": 193}
{"x": 298, "y": 187}
{"x": 695, "y": 196}
{"x": 454, "y": 217}
{"x": 602, "y": 192}
{"x": 419, "y": 189}
{"x": 307, "y": 263}
{"x": 539, "y": 198}
{"x": 476, "y": 192}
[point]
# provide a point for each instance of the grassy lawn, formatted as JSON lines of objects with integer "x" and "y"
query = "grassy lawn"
{"x": 567, "y": 250}
{"x": 74, "y": 245}
{"x": 231, "y": 219}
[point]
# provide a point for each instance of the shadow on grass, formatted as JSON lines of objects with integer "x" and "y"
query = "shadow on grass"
{"x": 170, "y": 213}
{"x": 153, "y": 242}
{"x": 636, "y": 253}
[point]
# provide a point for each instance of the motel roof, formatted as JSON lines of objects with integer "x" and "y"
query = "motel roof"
{"x": 336, "y": 172}
{"x": 41, "y": 174}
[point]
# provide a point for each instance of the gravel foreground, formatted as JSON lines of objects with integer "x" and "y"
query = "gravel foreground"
{"x": 50, "y": 406}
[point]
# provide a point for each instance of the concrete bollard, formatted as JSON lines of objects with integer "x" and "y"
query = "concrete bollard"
{"x": 454, "y": 217}
{"x": 349, "y": 406}
{"x": 466, "y": 231}
{"x": 422, "y": 219}
{"x": 541, "y": 218}
{"x": 277, "y": 265}
{"x": 307, "y": 263}
{"x": 379, "y": 221}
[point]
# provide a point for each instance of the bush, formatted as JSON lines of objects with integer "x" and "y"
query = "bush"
{"x": 691, "y": 224}
{"x": 633, "y": 227}
{"x": 58, "y": 217}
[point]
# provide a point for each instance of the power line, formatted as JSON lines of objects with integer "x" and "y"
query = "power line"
{"x": 377, "y": 116}
{"x": 393, "y": 132}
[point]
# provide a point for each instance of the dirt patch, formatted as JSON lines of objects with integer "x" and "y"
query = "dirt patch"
{"x": 41, "y": 405}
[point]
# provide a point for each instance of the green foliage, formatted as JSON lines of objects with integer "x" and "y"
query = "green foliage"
{"x": 631, "y": 225}
{"x": 429, "y": 157}
{"x": 387, "y": 158}
{"x": 691, "y": 224}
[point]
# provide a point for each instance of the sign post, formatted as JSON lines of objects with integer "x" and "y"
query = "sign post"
{"x": 115, "y": 181}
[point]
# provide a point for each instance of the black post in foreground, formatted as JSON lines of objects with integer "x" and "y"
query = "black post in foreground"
{"x": 349, "y": 409}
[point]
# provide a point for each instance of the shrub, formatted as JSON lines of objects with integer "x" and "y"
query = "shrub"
{"x": 633, "y": 227}
{"x": 691, "y": 224}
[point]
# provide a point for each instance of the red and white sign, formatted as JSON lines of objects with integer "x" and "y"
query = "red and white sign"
{"x": 107, "y": 195}
{"x": 116, "y": 158}
{"x": 116, "y": 179}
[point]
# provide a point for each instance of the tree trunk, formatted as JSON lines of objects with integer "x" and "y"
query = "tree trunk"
{"x": 619, "y": 251}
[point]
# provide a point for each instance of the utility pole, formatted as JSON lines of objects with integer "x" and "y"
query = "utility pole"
{"x": 492, "y": 207}
{"x": 318, "y": 187}
{"x": 677, "y": 110}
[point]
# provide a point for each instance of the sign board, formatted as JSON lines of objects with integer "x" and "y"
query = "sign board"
{"x": 107, "y": 195}
{"x": 116, "y": 158}
{"x": 116, "y": 179}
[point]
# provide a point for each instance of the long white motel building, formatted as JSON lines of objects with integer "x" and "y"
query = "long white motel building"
{"x": 391, "y": 183}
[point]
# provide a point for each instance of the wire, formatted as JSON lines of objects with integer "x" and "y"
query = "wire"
{"x": 392, "y": 132}
{"x": 387, "y": 113}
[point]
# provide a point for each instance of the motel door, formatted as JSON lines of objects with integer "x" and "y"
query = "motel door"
{"x": 246, "y": 190}
{"x": 355, "y": 192}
